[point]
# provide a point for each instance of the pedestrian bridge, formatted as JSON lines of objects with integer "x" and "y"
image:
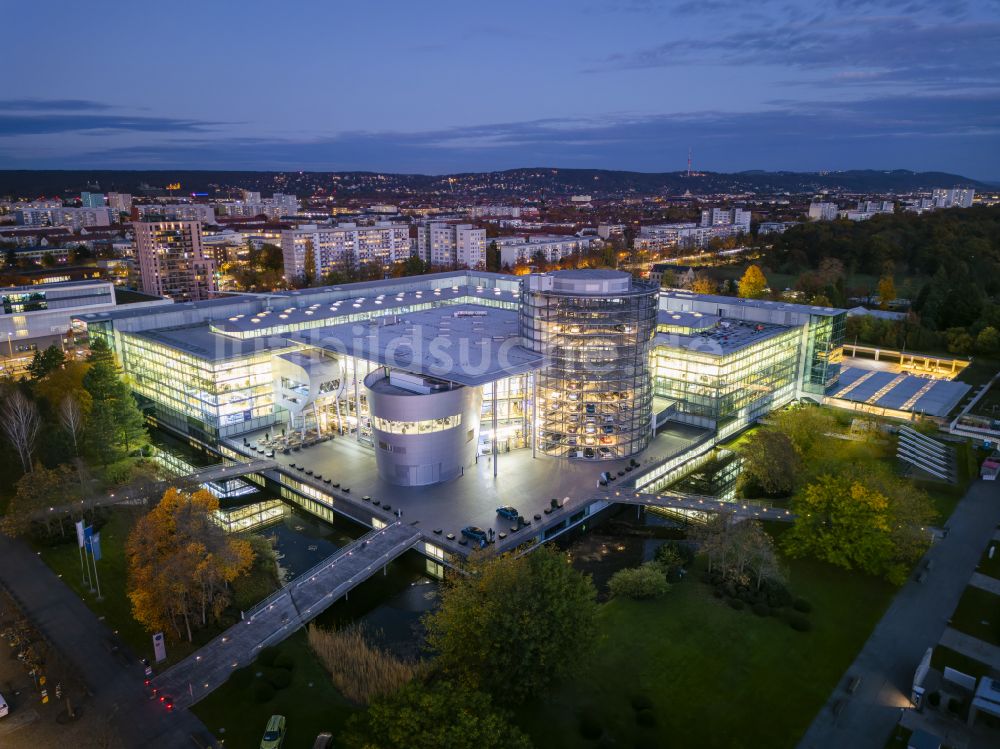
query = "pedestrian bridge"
{"x": 736, "y": 509}
{"x": 284, "y": 612}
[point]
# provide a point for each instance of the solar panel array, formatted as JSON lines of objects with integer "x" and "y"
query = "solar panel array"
{"x": 933, "y": 397}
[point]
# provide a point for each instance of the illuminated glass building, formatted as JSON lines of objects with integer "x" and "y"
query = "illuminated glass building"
{"x": 594, "y": 328}
{"x": 583, "y": 365}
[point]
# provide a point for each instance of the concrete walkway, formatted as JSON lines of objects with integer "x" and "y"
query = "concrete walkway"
{"x": 914, "y": 621}
{"x": 114, "y": 680}
{"x": 985, "y": 582}
{"x": 980, "y": 650}
{"x": 283, "y": 613}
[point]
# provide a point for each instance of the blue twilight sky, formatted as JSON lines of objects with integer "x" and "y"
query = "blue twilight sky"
{"x": 441, "y": 86}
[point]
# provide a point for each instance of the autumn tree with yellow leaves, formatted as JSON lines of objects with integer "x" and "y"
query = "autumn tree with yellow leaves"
{"x": 181, "y": 564}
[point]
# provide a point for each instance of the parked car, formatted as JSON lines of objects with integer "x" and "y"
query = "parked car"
{"x": 323, "y": 741}
{"x": 274, "y": 734}
{"x": 508, "y": 512}
{"x": 588, "y": 452}
{"x": 4, "y": 707}
{"x": 475, "y": 533}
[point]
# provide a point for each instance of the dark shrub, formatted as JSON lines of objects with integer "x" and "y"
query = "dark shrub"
{"x": 707, "y": 579}
{"x": 718, "y": 593}
{"x": 934, "y": 698}
{"x": 736, "y": 603}
{"x": 278, "y": 678}
{"x": 267, "y": 656}
{"x": 285, "y": 661}
{"x": 590, "y": 727}
{"x": 645, "y": 718}
{"x": 262, "y": 692}
{"x": 641, "y": 702}
{"x": 776, "y": 593}
{"x": 801, "y": 604}
{"x": 761, "y": 609}
{"x": 799, "y": 623}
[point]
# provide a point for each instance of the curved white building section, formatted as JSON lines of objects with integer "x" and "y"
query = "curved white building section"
{"x": 425, "y": 430}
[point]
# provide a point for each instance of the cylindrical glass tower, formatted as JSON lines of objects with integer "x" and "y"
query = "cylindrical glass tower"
{"x": 594, "y": 327}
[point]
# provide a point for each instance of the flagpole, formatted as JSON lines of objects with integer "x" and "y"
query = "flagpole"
{"x": 96, "y": 578}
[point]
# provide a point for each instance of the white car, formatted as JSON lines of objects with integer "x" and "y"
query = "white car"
{"x": 4, "y": 709}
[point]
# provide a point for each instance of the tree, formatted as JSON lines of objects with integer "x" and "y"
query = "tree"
{"x": 20, "y": 423}
{"x": 743, "y": 553}
{"x": 514, "y": 625}
{"x": 804, "y": 426}
{"x": 646, "y": 581}
{"x": 433, "y": 716}
{"x": 493, "y": 256}
{"x": 44, "y": 362}
{"x": 703, "y": 284}
{"x": 116, "y": 425}
{"x": 988, "y": 340}
{"x": 180, "y": 564}
{"x": 770, "y": 462}
{"x": 34, "y": 496}
{"x": 867, "y": 519}
{"x": 71, "y": 420}
{"x": 886, "y": 291}
{"x": 753, "y": 284}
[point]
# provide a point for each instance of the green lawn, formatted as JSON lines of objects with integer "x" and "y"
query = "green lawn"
{"x": 115, "y": 607}
{"x": 716, "y": 677}
{"x": 989, "y": 566}
{"x": 980, "y": 371}
{"x": 311, "y": 704}
{"x": 978, "y": 614}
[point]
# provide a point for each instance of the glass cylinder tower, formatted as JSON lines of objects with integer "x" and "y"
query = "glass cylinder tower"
{"x": 595, "y": 328}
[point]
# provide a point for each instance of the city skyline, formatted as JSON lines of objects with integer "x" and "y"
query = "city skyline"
{"x": 617, "y": 85}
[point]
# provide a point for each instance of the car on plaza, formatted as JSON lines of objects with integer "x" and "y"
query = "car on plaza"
{"x": 588, "y": 452}
{"x": 508, "y": 512}
{"x": 4, "y": 707}
{"x": 475, "y": 533}
{"x": 274, "y": 734}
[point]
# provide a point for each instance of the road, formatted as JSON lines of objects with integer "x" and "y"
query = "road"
{"x": 914, "y": 621}
{"x": 115, "y": 680}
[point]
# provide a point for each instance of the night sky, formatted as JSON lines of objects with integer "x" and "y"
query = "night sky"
{"x": 441, "y": 86}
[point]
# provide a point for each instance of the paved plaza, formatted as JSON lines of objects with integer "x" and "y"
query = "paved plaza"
{"x": 527, "y": 483}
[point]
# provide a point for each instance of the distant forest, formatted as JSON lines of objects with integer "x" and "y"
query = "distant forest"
{"x": 955, "y": 252}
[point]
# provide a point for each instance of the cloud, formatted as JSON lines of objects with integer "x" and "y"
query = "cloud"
{"x": 50, "y": 124}
{"x": 51, "y": 105}
{"x": 953, "y": 133}
{"x": 865, "y": 50}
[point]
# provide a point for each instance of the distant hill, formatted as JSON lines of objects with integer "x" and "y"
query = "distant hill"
{"x": 525, "y": 182}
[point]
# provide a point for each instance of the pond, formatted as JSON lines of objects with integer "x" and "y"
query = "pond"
{"x": 389, "y": 604}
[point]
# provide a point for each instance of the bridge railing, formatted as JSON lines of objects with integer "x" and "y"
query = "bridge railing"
{"x": 332, "y": 559}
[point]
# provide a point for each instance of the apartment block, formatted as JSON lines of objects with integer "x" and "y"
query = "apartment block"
{"x": 459, "y": 245}
{"x": 340, "y": 246}
{"x": 172, "y": 260}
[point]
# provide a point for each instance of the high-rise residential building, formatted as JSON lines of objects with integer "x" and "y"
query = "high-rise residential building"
{"x": 120, "y": 202}
{"x": 822, "y": 211}
{"x": 172, "y": 260}
{"x": 958, "y": 197}
{"x": 72, "y": 218}
{"x": 735, "y": 217}
{"x": 459, "y": 245}
{"x": 91, "y": 200}
{"x": 175, "y": 212}
{"x": 341, "y": 246}
{"x": 495, "y": 211}
{"x": 277, "y": 206}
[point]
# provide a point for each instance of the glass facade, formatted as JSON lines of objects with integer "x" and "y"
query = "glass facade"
{"x": 824, "y": 352}
{"x": 208, "y": 399}
{"x": 392, "y": 426}
{"x": 513, "y": 411}
{"x": 594, "y": 394}
{"x": 713, "y": 388}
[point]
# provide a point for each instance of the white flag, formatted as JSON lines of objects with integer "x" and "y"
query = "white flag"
{"x": 79, "y": 532}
